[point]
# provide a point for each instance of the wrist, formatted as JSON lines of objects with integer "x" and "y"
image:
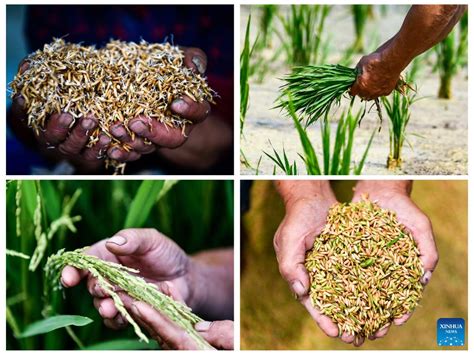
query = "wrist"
{"x": 378, "y": 188}
{"x": 296, "y": 191}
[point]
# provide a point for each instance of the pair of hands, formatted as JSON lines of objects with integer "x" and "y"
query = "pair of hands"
{"x": 68, "y": 138}
{"x": 306, "y": 212}
{"x": 163, "y": 263}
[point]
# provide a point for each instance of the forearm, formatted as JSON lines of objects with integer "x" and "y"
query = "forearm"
{"x": 386, "y": 187}
{"x": 292, "y": 191}
{"x": 213, "y": 284}
{"x": 423, "y": 27}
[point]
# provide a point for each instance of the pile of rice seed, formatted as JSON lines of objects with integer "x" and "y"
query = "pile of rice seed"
{"x": 364, "y": 268}
{"x": 115, "y": 83}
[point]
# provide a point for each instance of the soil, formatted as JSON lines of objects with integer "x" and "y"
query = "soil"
{"x": 437, "y": 133}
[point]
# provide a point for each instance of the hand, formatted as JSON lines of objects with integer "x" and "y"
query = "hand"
{"x": 160, "y": 135}
{"x": 304, "y": 220}
{"x": 160, "y": 261}
{"x": 219, "y": 334}
{"x": 395, "y": 196}
{"x": 62, "y": 138}
{"x": 377, "y": 77}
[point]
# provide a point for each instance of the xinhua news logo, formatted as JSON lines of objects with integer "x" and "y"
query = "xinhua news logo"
{"x": 450, "y": 332}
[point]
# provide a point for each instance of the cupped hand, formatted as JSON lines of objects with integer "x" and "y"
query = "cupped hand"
{"x": 376, "y": 77}
{"x": 151, "y": 134}
{"x": 160, "y": 261}
{"x": 64, "y": 138}
{"x": 415, "y": 221}
{"x": 304, "y": 220}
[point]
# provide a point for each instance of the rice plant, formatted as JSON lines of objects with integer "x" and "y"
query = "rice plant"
{"x": 302, "y": 39}
{"x": 244, "y": 76}
{"x": 447, "y": 65}
{"x": 313, "y": 89}
{"x": 360, "y": 15}
{"x": 267, "y": 15}
{"x": 398, "y": 111}
{"x": 336, "y": 159}
{"x": 463, "y": 37}
{"x": 104, "y": 207}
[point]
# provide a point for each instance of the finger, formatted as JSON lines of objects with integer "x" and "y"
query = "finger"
{"x": 324, "y": 322}
{"x": 195, "y": 59}
{"x": 347, "y": 338}
{"x": 95, "y": 289}
{"x": 382, "y": 331}
{"x": 24, "y": 64}
{"x": 158, "y": 133}
{"x": 96, "y": 152}
{"x": 403, "y": 319}
{"x": 121, "y": 155}
{"x": 190, "y": 109}
{"x": 116, "y": 324}
{"x": 137, "y": 144}
{"x": 358, "y": 341}
{"x": 105, "y": 307}
{"x": 169, "y": 289}
{"x": 219, "y": 334}
{"x": 57, "y": 128}
{"x": 71, "y": 276}
{"x": 291, "y": 258}
{"x": 423, "y": 235}
{"x": 134, "y": 241}
{"x": 18, "y": 108}
{"x": 171, "y": 334}
{"x": 77, "y": 139}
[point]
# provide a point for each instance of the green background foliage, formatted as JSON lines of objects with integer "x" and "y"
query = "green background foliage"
{"x": 197, "y": 215}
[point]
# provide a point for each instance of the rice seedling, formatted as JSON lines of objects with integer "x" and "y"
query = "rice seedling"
{"x": 268, "y": 13}
{"x": 206, "y": 222}
{"x": 364, "y": 268}
{"x": 303, "y": 27}
{"x": 463, "y": 37}
{"x": 447, "y": 65}
{"x": 313, "y": 89}
{"x": 360, "y": 15}
{"x": 110, "y": 275}
{"x": 336, "y": 160}
{"x": 245, "y": 73}
{"x": 282, "y": 162}
{"x": 398, "y": 111}
{"x": 115, "y": 83}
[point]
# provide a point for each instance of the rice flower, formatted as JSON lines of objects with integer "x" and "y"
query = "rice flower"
{"x": 109, "y": 275}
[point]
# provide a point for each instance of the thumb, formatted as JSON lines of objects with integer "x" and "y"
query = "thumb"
{"x": 134, "y": 241}
{"x": 219, "y": 334}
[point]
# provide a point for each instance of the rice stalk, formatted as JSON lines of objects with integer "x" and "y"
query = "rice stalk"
{"x": 244, "y": 76}
{"x": 268, "y": 13}
{"x": 109, "y": 275}
{"x": 447, "y": 65}
{"x": 398, "y": 111}
{"x": 360, "y": 15}
{"x": 303, "y": 27}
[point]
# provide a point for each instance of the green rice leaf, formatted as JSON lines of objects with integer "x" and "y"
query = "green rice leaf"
{"x": 52, "y": 323}
{"x": 143, "y": 202}
{"x": 123, "y": 344}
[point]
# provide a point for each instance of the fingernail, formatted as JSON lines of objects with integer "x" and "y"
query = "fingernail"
{"x": 65, "y": 120}
{"x": 179, "y": 105}
{"x": 198, "y": 62}
{"x": 298, "y": 288}
{"x": 165, "y": 288}
{"x": 426, "y": 277}
{"x": 104, "y": 139}
{"x": 118, "y": 240}
{"x": 202, "y": 326}
{"x": 119, "y": 131}
{"x": 115, "y": 153}
{"x": 120, "y": 321}
{"x": 63, "y": 283}
{"x": 135, "y": 309}
{"x": 87, "y": 123}
{"x": 138, "y": 126}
